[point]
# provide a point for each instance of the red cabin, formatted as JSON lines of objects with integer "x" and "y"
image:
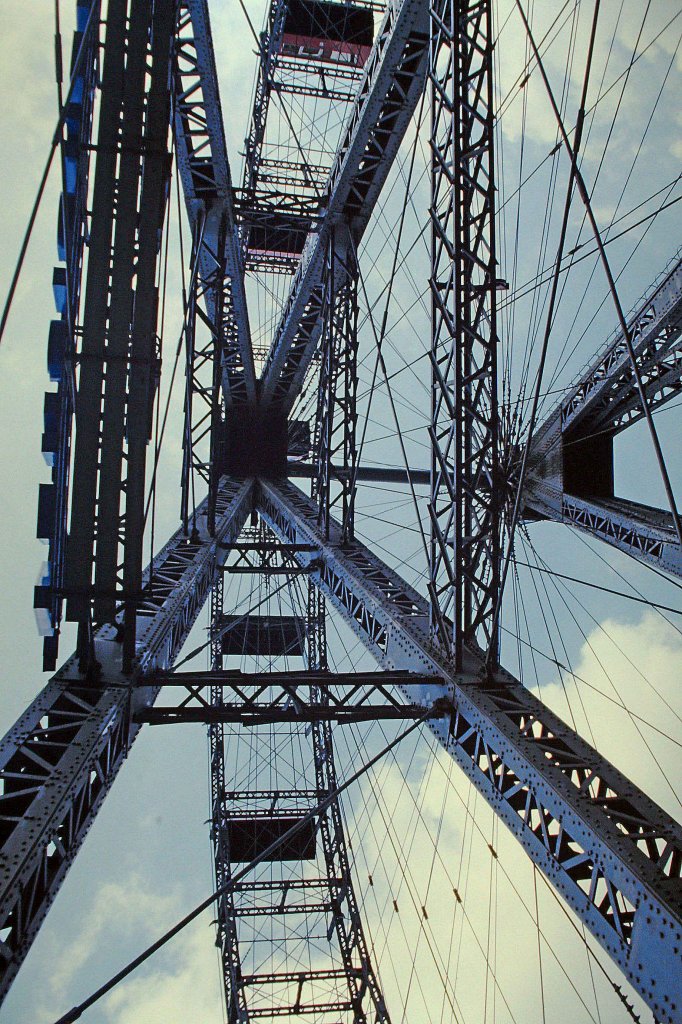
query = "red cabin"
{"x": 334, "y": 33}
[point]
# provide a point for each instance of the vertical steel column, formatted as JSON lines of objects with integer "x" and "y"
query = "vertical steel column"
{"x": 222, "y": 324}
{"x": 269, "y": 45}
{"x": 145, "y": 363}
{"x": 465, "y": 544}
{"x": 335, "y": 423}
{"x": 118, "y": 358}
{"x": 209, "y": 303}
{"x": 226, "y": 918}
{"x": 81, "y": 541}
{"x": 123, "y": 300}
{"x": 345, "y": 912}
{"x": 195, "y": 361}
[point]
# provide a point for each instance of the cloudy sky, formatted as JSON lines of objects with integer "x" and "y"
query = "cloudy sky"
{"x": 509, "y": 952}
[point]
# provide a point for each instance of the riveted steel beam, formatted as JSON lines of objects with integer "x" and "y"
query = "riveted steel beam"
{"x": 209, "y": 194}
{"x": 334, "y": 445}
{"x": 613, "y": 854}
{"x": 571, "y": 459}
{"x": 59, "y": 760}
{"x": 387, "y": 97}
{"x": 464, "y": 505}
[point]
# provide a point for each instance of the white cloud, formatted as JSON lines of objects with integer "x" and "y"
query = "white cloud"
{"x": 186, "y": 987}
{"x": 120, "y": 912}
{"x": 637, "y": 664}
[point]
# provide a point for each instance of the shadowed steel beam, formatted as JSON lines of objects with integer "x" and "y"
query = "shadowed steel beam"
{"x": 145, "y": 359}
{"x": 59, "y": 760}
{"x": 81, "y": 542}
{"x": 464, "y": 569}
{"x": 387, "y": 97}
{"x": 264, "y": 714}
{"x": 336, "y": 416}
{"x": 614, "y": 855}
{"x": 643, "y": 531}
{"x": 207, "y": 184}
{"x": 571, "y": 462}
{"x": 308, "y": 677}
{"x": 367, "y": 474}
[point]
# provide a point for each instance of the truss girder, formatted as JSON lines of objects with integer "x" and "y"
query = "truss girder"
{"x": 267, "y": 58}
{"x": 261, "y": 697}
{"x": 387, "y": 97}
{"x": 226, "y": 917}
{"x": 209, "y": 194}
{"x": 606, "y": 398}
{"x": 59, "y": 760}
{"x": 210, "y": 332}
{"x": 645, "y": 532}
{"x": 334, "y": 444}
{"x": 363, "y": 985}
{"x": 612, "y": 853}
{"x": 346, "y": 982}
{"x": 562, "y": 483}
{"x": 463, "y": 507}
{"x": 119, "y": 359}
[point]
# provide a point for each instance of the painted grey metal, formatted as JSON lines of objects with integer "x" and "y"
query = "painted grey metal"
{"x": 369, "y": 1006}
{"x": 465, "y": 502}
{"x": 334, "y": 443}
{"x": 250, "y": 996}
{"x": 561, "y": 484}
{"x": 207, "y": 184}
{"x": 614, "y": 855}
{"x": 645, "y": 532}
{"x": 604, "y": 392}
{"x": 59, "y": 760}
{"x": 388, "y": 94}
{"x": 81, "y": 542}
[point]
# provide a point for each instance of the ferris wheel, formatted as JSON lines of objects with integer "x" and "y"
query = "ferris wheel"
{"x": 401, "y": 313}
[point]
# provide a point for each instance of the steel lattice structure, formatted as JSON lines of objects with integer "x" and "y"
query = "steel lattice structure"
{"x": 145, "y": 96}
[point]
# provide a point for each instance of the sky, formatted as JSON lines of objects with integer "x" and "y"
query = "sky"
{"x": 508, "y": 952}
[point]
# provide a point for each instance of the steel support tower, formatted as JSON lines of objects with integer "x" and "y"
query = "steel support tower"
{"x": 148, "y": 70}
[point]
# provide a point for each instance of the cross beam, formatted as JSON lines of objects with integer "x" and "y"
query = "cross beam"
{"x": 365, "y": 474}
{"x": 262, "y": 713}
{"x": 614, "y": 855}
{"x": 261, "y": 697}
